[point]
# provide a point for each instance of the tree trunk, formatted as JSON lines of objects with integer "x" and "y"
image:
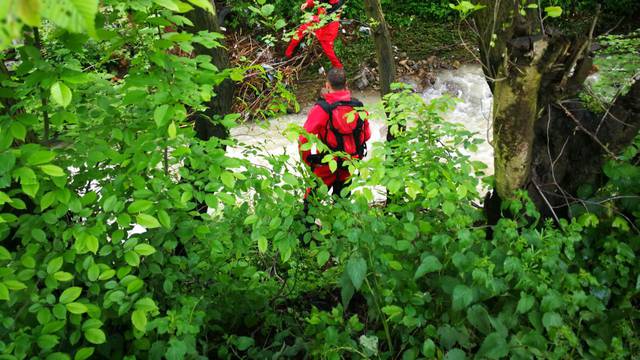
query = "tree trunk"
{"x": 382, "y": 38}
{"x": 543, "y": 142}
{"x": 206, "y": 125}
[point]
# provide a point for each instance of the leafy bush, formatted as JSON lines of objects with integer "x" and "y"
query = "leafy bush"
{"x": 123, "y": 236}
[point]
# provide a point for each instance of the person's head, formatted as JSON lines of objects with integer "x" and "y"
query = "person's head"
{"x": 336, "y": 79}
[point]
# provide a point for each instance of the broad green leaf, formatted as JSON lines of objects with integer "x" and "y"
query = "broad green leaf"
{"x": 462, "y": 297}
{"x": 77, "y": 308}
{"x": 160, "y": 115}
{"x": 429, "y": 349}
{"x": 132, "y": 258}
{"x": 243, "y": 343}
{"x": 267, "y": 9}
{"x": 54, "y": 265}
{"x": 164, "y": 219}
{"x": 52, "y": 170}
{"x": 455, "y": 354}
{"x": 61, "y": 94}
{"x": 494, "y": 346}
{"x": 91, "y": 243}
{"x": 95, "y": 336}
{"x": 63, "y": 276}
{"x": 323, "y": 257}
{"x": 76, "y": 16}
{"x": 4, "y": 292}
{"x": 551, "y": 319}
{"x": 228, "y": 179}
{"x": 144, "y": 249}
{"x": 357, "y": 271}
{"x": 15, "y": 285}
{"x": 204, "y": 4}
{"x": 134, "y": 286}
{"x": 392, "y": 311}
{"x": 263, "y": 244}
{"x": 40, "y": 157}
{"x": 169, "y": 4}
{"x": 333, "y": 165}
{"x": 525, "y": 304}
{"x": 70, "y": 294}
{"x": 93, "y": 272}
{"x": 553, "y": 11}
{"x": 83, "y": 353}
{"x": 479, "y": 318}
{"x": 4, "y": 253}
{"x": 140, "y": 206}
{"x": 147, "y": 221}
{"x": 428, "y": 265}
{"x": 18, "y": 130}
{"x": 146, "y": 304}
{"x": 29, "y": 12}
{"x": 139, "y": 320}
{"x": 172, "y": 131}
{"x": 47, "y": 342}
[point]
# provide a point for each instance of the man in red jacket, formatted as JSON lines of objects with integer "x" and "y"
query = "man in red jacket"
{"x": 326, "y": 34}
{"x": 328, "y": 120}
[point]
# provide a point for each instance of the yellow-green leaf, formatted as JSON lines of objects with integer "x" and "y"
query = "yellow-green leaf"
{"x": 139, "y": 320}
{"x": 29, "y": 12}
{"x": 147, "y": 221}
{"x": 70, "y": 294}
{"x": 77, "y": 308}
{"x": 52, "y": 170}
{"x": 61, "y": 94}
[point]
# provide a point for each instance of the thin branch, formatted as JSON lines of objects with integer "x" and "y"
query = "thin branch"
{"x": 579, "y": 126}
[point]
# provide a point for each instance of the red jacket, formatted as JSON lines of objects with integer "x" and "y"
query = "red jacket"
{"x": 311, "y": 4}
{"x": 317, "y": 124}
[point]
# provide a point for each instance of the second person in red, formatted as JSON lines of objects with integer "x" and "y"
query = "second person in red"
{"x": 326, "y": 34}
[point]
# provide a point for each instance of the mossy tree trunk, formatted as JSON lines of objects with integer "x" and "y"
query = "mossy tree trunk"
{"x": 206, "y": 125}
{"x": 382, "y": 39}
{"x": 539, "y": 131}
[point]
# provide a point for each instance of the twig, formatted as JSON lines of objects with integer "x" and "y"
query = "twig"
{"x": 579, "y": 126}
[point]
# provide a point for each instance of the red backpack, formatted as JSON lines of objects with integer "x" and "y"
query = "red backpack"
{"x": 341, "y": 129}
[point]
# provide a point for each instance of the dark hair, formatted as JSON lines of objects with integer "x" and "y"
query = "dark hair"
{"x": 337, "y": 78}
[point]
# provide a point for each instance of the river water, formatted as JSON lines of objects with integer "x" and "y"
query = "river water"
{"x": 466, "y": 83}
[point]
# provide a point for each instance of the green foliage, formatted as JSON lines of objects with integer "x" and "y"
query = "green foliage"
{"x": 122, "y": 235}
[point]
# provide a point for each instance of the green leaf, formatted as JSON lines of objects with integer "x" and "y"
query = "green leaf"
{"x": 164, "y": 219}
{"x": 61, "y": 94}
{"x": 204, "y": 4}
{"x": 70, "y": 294}
{"x": 144, "y": 249}
{"x": 52, "y": 170}
{"x": 54, "y": 265}
{"x": 357, "y": 271}
{"x": 4, "y": 253}
{"x": 132, "y": 258}
{"x": 263, "y": 244}
{"x": 95, "y": 336}
{"x": 76, "y": 16}
{"x": 4, "y": 292}
{"x": 47, "y": 342}
{"x": 160, "y": 115}
{"x": 140, "y": 206}
{"x": 147, "y": 221}
{"x": 228, "y": 179}
{"x": 172, "y": 131}
{"x": 267, "y": 9}
{"x": 134, "y": 286}
{"x": 323, "y": 257}
{"x": 494, "y": 346}
{"x": 40, "y": 157}
{"x": 429, "y": 349}
{"x": 243, "y": 343}
{"x": 525, "y": 304}
{"x": 146, "y": 304}
{"x": 18, "y": 130}
{"x": 393, "y": 311}
{"x": 479, "y": 318}
{"x": 15, "y": 285}
{"x": 462, "y": 297}
{"x": 83, "y": 353}
{"x": 91, "y": 243}
{"x": 63, "y": 276}
{"x": 553, "y": 11}
{"x": 333, "y": 165}
{"x": 29, "y": 12}
{"x": 551, "y": 319}
{"x": 77, "y": 308}
{"x": 169, "y": 4}
{"x": 93, "y": 272}
{"x": 455, "y": 354}
{"x": 428, "y": 265}
{"x": 139, "y": 320}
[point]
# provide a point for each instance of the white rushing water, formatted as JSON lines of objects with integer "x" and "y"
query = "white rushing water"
{"x": 466, "y": 83}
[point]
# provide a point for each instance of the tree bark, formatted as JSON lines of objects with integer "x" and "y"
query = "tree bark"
{"x": 220, "y": 105}
{"x": 382, "y": 39}
{"x": 544, "y": 141}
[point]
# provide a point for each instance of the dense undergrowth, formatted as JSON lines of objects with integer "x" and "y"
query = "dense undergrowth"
{"x": 123, "y": 236}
